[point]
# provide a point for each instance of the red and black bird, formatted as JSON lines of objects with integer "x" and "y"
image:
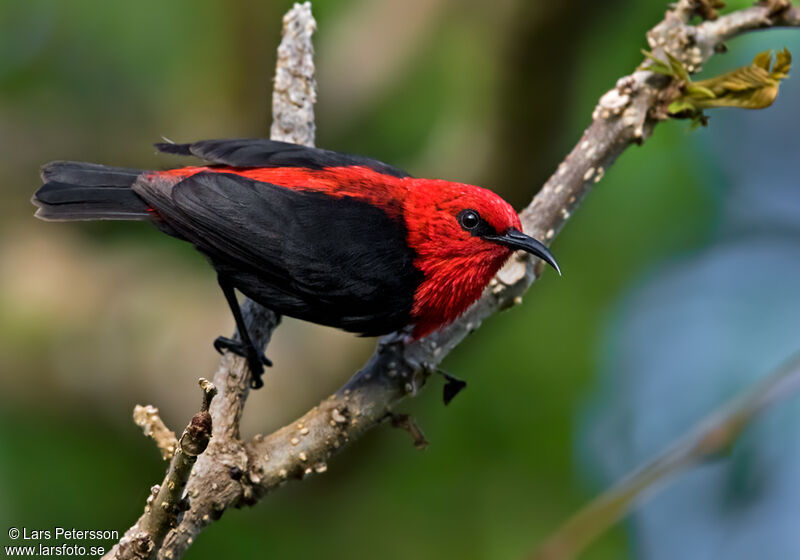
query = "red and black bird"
{"x": 334, "y": 239}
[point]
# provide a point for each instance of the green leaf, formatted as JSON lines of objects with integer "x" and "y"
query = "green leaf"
{"x": 749, "y": 87}
{"x": 672, "y": 68}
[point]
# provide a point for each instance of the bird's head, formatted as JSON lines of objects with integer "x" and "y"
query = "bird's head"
{"x": 462, "y": 235}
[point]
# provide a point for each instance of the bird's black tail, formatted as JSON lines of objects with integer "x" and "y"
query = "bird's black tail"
{"x": 88, "y": 191}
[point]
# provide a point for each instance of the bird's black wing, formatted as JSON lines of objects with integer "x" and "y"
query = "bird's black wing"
{"x": 260, "y": 152}
{"x": 335, "y": 261}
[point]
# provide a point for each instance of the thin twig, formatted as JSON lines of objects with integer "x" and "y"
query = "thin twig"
{"x": 407, "y": 424}
{"x": 706, "y": 440}
{"x": 162, "y": 514}
{"x": 166, "y": 502}
{"x": 147, "y": 418}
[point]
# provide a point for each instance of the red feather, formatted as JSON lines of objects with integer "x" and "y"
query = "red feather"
{"x": 456, "y": 265}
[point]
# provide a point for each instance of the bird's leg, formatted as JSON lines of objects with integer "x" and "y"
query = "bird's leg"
{"x": 256, "y": 359}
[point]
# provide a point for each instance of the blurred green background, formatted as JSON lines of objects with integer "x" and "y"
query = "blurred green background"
{"x": 97, "y": 317}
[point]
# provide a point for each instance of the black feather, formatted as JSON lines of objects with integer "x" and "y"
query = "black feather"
{"x": 87, "y": 191}
{"x": 172, "y": 148}
{"x": 335, "y": 261}
{"x": 260, "y": 152}
{"x": 88, "y": 174}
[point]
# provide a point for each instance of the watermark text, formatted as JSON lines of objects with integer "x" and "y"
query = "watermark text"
{"x": 58, "y": 541}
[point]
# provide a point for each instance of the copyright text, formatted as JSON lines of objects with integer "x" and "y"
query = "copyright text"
{"x": 59, "y": 541}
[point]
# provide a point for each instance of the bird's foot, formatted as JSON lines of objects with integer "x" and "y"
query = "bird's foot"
{"x": 403, "y": 336}
{"x": 256, "y": 360}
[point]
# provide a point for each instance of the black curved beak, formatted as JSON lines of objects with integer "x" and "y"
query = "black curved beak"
{"x": 517, "y": 240}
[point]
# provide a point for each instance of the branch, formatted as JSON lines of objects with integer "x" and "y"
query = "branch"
{"x": 236, "y": 473}
{"x": 769, "y": 13}
{"x": 623, "y": 117}
{"x": 147, "y": 418}
{"x": 705, "y": 441}
{"x": 213, "y": 482}
{"x": 166, "y": 501}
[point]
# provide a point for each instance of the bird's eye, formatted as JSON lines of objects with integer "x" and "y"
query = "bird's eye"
{"x": 469, "y": 219}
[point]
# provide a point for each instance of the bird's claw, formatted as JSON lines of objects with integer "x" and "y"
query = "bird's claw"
{"x": 256, "y": 360}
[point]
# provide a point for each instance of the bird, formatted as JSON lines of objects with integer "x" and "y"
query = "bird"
{"x": 340, "y": 240}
